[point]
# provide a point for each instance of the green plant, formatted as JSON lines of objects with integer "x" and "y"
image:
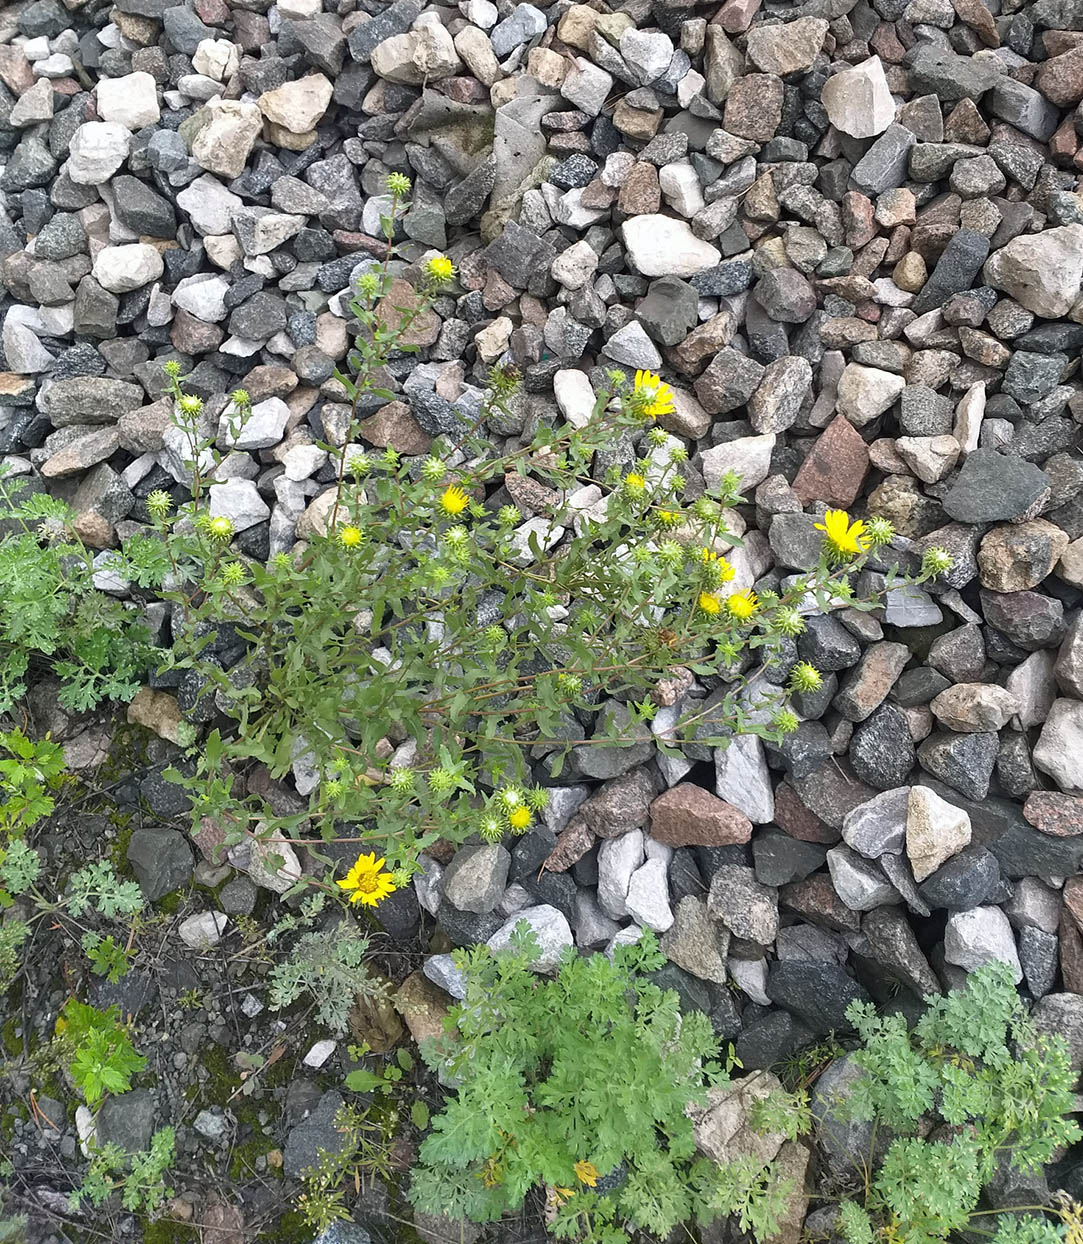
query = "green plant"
{"x": 138, "y": 1176}
{"x": 582, "y": 1083}
{"x": 50, "y": 608}
{"x": 975, "y": 1064}
{"x": 328, "y": 964}
{"x": 432, "y": 642}
{"x": 103, "y": 1059}
{"x": 366, "y": 1151}
{"x": 107, "y": 957}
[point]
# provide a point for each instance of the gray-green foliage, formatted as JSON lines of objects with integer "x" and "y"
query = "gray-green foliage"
{"x": 975, "y": 1064}
{"x": 327, "y": 964}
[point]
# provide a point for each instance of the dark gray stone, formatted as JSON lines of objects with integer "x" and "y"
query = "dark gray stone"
{"x": 161, "y": 860}
{"x": 994, "y": 487}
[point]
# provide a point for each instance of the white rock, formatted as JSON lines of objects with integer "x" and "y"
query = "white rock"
{"x": 424, "y": 54}
{"x": 217, "y": 58}
{"x": 263, "y": 429}
{"x": 1059, "y": 750}
{"x": 97, "y": 149}
{"x": 203, "y": 296}
{"x": 493, "y": 339}
{"x": 225, "y": 140}
{"x": 123, "y": 268}
{"x": 680, "y": 184}
{"x": 979, "y": 936}
{"x": 33, "y": 106}
{"x": 56, "y": 66}
{"x": 131, "y": 101}
{"x": 209, "y": 205}
{"x": 935, "y": 831}
{"x": 574, "y": 267}
{"x": 1034, "y": 685}
{"x": 551, "y": 931}
{"x": 1041, "y": 271}
{"x": 743, "y": 780}
{"x": 482, "y": 13}
{"x": 858, "y": 100}
{"x": 749, "y": 457}
{"x": 25, "y": 354}
{"x": 586, "y": 86}
{"x": 865, "y": 392}
{"x": 662, "y": 246}
{"x": 575, "y": 396}
{"x": 648, "y": 896}
{"x": 204, "y": 930}
{"x": 618, "y": 858}
{"x": 320, "y": 1052}
{"x": 969, "y": 415}
{"x": 273, "y": 865}
{"x": 541, "y": 531}
{"x": 930, "y": 458}
{"x": 261, "y": 231}
{"x": 240, "y": 502}
{"x": 298, "y": 106}
{"x": 647, "y": 53}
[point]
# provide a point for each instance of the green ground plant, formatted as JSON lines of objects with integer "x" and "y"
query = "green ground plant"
{"x": 425, "y": 655}
{"x": 102, "y": 1057}
{"x": 581, "y": 1084}
{"x": 138, "y": 1177}
{"x": 50, "y": 610}
{"x": 996, "y": 1092}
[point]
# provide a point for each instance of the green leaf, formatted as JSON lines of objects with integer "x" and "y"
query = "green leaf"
{"x": 419, "y": 1115}
{"x": 362, "y": 1081}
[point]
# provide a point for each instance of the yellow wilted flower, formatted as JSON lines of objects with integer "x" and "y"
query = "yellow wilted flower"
{"x": 586, "y": 1173}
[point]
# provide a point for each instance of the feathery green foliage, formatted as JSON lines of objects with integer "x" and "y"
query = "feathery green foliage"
{"x": 975, "y": 1063}
{"x": 580, "y": 1083}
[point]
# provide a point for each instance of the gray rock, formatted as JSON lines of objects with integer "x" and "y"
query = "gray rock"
{"x": 850, "y": 1145}
{"x": 979, "y": 936}
{"x": 316, "y": 1132}
{"x": 476, "y": 877}
{"x": 748, "y": 909}
{"x": 859, "y": 882}
{"x": 161, "y": 860}
{"x": 878, "y": 825}
{"x": 743, "y": 780}
{"x": 127, "y": 1119}
{"x": 1061, "y": 1015}
{"x": 817, "y": 993}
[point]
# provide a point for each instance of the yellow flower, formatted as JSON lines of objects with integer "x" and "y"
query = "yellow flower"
{"x": 842, "y": 535}
{"x": 586, "y": 1173}
{"x": 350, "y": 537}
{"x": 721, "y": 570}
{"x": 657, "y": 397}
{"x": 520, "y": 817}
{"x": 634, "y": 483}
{"x": 368, "y": 885}
{"x": 454, "y": 500}
{"x": 440, "y": 268}
{"x": 709, "y": 602}
{"x": 743, "y": 604}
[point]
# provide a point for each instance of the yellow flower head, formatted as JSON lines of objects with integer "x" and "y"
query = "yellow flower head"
{"x": 586, "y": 1173}
{"x": 454, "y": 500}
{"x": 366, "y": 882}
{"x": 719, "y": 570}
{"x": 709, "y": 602}
{"x": 350, "y": 537}
{"x": 657, "y": 397}
{"x": 440, "y": 269}
{"x": 634, "y": 484}
{"x": 743, "y": 604}
{"x": 841, "y": 535}
{"x": 519, "y": 818}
